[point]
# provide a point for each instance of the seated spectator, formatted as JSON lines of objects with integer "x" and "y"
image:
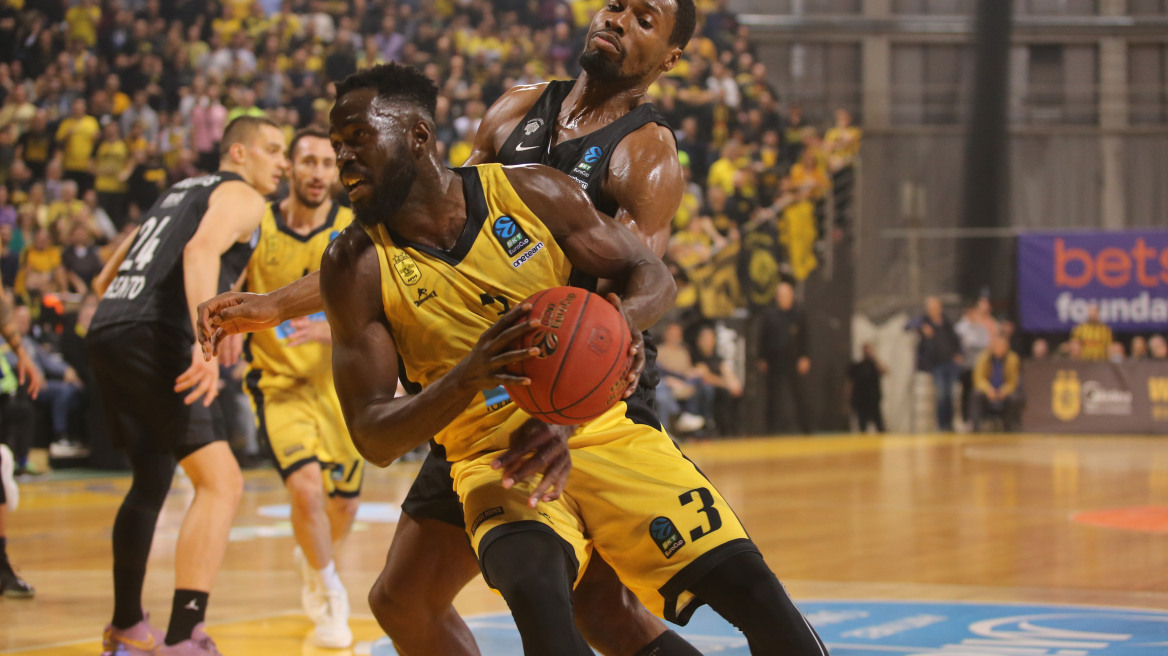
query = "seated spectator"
{"x": 99, "y": 218}
{"x": 61, "y": 392}
{"x": 81, "y": 259}
{"x": 9, "y": 257}
{"x": 69, "y": 207}
{"x": 865, "y": 391}
{"x": 1040, "y": 349}
{"x": 1115, "y": 353}
{"x": 718, "y": 372}
{"x": 995, "y": 379}
{"x": 1158, "y": 347}
{"x": 40, "y": 268}
{"x": 7, "y": 211}
{"x": 1139, "y": 348}
{"x": 684, "y": 400}
{"x": 1093, "y": 335}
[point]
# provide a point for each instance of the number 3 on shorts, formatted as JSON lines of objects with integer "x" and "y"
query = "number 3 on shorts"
{"x": 708, "y": 508}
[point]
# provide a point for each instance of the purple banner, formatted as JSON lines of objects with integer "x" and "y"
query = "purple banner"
{"x": 1126, "y": 273}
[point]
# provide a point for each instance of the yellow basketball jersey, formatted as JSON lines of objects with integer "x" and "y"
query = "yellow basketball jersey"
{"x": 281, "y": 257}
{"x": 438, "y": 302}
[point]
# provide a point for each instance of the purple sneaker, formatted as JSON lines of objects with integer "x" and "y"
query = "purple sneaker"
{"x": 138, "y": 640}
{"x": 199, "y": 644}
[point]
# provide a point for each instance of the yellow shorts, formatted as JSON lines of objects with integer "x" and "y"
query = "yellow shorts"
{"x": 632, "y": 496}
{"x": 301, "y": 422}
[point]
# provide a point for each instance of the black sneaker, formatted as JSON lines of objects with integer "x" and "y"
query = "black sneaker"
{"x": 13, "y": 586}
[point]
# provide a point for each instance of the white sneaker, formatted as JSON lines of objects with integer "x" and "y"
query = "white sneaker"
{"x": 7, "y": 466}
{"x": 687, "y": 422}
{"x": 312, "y": 596}
{"x": 332, "y": 629}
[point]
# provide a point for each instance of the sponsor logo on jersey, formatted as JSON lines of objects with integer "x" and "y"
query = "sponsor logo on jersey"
{"x": 496, "y": 398}
{"x": 593, "y": 155}
{"x": 666, "y": 536}
{"x": 406, "y": 268}
{"x": 424, "y": 295}
{"x": 532, "y": 126}
{"x": 510, "y": 236}
{"x": 333, "y": 234}
{"x": 484, "y": 516}
{"x": 522, "y": 259}
{"x": 293, "y": 449}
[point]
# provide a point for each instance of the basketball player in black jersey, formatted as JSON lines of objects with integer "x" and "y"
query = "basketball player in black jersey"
{"x": 158, "y": 389}
{"x": 602, "y": 131}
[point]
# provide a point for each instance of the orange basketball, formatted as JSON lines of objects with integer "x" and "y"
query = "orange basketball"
{"x": 584, "y": 357}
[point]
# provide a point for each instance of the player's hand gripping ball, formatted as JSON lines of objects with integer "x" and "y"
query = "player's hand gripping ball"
{"x": 583, "y": 363}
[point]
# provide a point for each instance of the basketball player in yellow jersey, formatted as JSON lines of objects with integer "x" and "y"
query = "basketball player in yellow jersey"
{"x": 290, "y": 382}
{"x": 425, "y": 284}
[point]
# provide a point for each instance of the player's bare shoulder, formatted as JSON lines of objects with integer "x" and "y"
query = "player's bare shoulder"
{"x": 352, "y": 249}
{"x": 508, "y": 110}
{"x": 650, "y": 148}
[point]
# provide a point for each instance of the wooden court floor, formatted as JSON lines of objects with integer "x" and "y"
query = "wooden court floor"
{"x": 1045, "y": 519}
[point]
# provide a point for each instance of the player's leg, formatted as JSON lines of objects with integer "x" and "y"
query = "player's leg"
{"x": 744, "y": 591}
{"x": 533, "y": 572}
{"x": 413, "y": 598}
{"x": 11, "y": 585}
{"x": 202, "y": 539}
{"x": 133, "y": 531}
{"x": 342, "y": 511}
{"x": 616, "y": 623}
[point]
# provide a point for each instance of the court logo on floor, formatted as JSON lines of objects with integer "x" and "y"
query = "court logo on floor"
{"x": 875, "y": 628}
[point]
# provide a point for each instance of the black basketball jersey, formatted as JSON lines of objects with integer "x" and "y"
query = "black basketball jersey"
{"x": 585, "y": 159}
{"x": 149, "y": 286}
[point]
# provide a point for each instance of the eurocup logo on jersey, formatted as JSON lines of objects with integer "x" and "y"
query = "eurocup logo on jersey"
{"x": 666, "y": 535}
{"x": 593, "y": 155}
{"x": 509, "y": 235}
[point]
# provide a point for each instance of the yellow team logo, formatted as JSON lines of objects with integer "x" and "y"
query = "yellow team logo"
{"x": 407, "y": 269}
{"x": 1158, "y": 389}
{"x": 1066, "y": 397}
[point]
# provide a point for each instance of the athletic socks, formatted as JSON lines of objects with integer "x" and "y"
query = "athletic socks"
{"x": 668, "y": 644}
{"x": 189, "y": 609}
{"x": 329, "y": 578}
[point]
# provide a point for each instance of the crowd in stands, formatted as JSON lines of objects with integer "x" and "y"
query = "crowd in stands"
{"x": 981, "y": 357}
{"x": 105, "y": 103}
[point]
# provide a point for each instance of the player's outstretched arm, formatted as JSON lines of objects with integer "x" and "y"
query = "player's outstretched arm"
{"x": 365, "y": 359}
{"x": 238, "y": 312}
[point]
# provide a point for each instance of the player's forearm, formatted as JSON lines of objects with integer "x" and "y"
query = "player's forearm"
{"x": 300, "y": 298}
{"x": 384, "y": 431}
{"x": 649, "y": 293}
{"x": 200, "y": 278}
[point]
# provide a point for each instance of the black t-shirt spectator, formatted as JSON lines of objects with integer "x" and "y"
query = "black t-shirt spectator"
{"x": 82, "y": 260}
{"x": 783, "y": 336}
{"x": 37, "y": 149}
{"x": 865, "y": 377}
{"x": 146, "y": 183}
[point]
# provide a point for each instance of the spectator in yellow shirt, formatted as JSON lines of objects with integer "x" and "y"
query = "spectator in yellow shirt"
{"x": 76, "y": 136}
{"x": 1093, "y": 335}
{"x": 41, "y": 268}
{"x": 69, "y": 207}
{"x": 112, "y": 165}
{"x": 995, "y": 381}
{"x": 81, "y": 22}
{"x": 842, "y": 141}
{"x": 722, "y": 171}
{"x": 808, "y": 176}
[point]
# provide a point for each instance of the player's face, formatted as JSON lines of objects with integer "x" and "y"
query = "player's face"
{"x": 369, "y": 137}
{"x": 265, "y": 159}
{"x": 629, "y": 39}
{"x": 313, "y": 171}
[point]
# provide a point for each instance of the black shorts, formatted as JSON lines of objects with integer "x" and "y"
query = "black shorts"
{"x": 135, "y": 366}
{"x": 432, "y": 495}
